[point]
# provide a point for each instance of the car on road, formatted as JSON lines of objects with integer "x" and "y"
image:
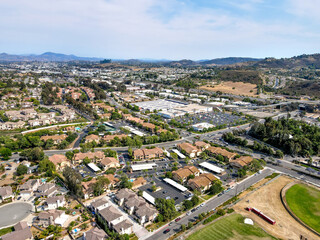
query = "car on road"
{"x": 164, "y": 192}
{"x": 202, "y": 204}
{"x": 193, "y": 210}
{"x": 166, "y": 231}
{"x": 178, "y": 219}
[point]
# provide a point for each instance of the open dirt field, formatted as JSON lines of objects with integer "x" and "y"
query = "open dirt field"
{"x": 240, "y": 88}
{"x": 267, "y": 199}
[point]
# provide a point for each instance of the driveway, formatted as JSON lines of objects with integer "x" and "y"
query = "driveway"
{"x": 13, "y": 213}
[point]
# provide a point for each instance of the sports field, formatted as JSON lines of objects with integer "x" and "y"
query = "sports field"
{"x": 304, "y": 201}
{"x": 230, "y": 228}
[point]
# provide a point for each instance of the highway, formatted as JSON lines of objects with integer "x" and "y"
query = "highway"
{"x": 209, "y": 205}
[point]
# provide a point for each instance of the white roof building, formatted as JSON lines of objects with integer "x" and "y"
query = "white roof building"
{"x": 94, "y": 167}
{"x": 139, "y": 167}
{"x": 175, "y": 184}
{"x": 212, "y": 167}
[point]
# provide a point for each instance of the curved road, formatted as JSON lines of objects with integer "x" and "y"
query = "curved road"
{"x": 13, "y": 213}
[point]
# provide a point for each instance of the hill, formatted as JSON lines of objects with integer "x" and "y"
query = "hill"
{"x": 302, "y": 61}
{"x": 45, "y": 57}
{"x": 228, "y": 61}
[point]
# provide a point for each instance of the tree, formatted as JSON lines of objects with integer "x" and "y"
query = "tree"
{"x": 166, "y": 208}
{"x": 195, "y": 200}
{"x": 124, "y": 182}
{"x": 21, "y": 170}
{"x": 47, "y": 166}
{"x": 86, "y": 160}
{"x": 279, "y": 154}
{"x": 6, "y": 153}
{"x": 154, "y": 188}
{"x": 73, "y": 180}
{"x": 99, "y": 186}
{"x": 34, "y": 154}
{"x": 183, "y": 227}
{"x": 168, "y": 174}
{"x": 187, "y": 204}
{"x": 216, "y": 187}
{"x": 190, "y": 224}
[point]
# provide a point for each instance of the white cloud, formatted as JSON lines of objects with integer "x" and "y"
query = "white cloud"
{"x": 142, "y": 28}
{"x": 305, "y": 8}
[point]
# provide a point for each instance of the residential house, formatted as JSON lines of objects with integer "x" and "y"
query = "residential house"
{"x": 146, "y": 154}
{"x": 241, "y": 161}
{"x": 79, "y": 157}
{"x": 91, "y": 138}
{"x": 131, "y": 204}
{"x": 21, "y": 232}
{"x": 60, "y": 161}
{"x": 122, "y": 195}
{"x": 182, "y": 174}
{"x": 57, "y": 139}
{"x": 95, "y": 234}
{"x": 6, "y": 193}
{"x": 189, "y": 149}
{"x": 99, "y": 204}
{"x": 124, "y": 227}
{"x": 202, "y": 182}
{"x": 202, "y": 145}
{"x": 112, "y": 179}
{"x": 55, "y": 202}
{"x": 111, "y": 216}
{"x": 223, "y": 152}
{"x": 146, "y": 214}
{"x": 47, "y": 190}
{"x": 30, "y": 185}
{"x": 51, "y": 217}
{"x": 109, "y": 162}
{"x": 138, "y": 182}
{"x": 88, "y": 188}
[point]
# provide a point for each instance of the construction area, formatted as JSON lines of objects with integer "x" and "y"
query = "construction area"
{"x": 236, "y": 88}
{"x": 267, "y": 199}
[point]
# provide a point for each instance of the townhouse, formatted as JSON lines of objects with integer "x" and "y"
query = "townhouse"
{"x": 223, "y": 152}
{"x": 60, "y": 161}
{"x": 189, "y": 149}
{"x": 146, "y": 154}
{"x": 91, "y": 138}
{"x": 57, "y": 139}
{"x": 109, "y": 162}
{"x": 202, "y": 182}
{"x": 79, "y": 157}
{"x": 182, "y": 174}
{"x": 241, "y": 161}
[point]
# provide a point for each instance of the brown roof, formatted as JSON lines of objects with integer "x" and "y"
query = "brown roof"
{"x": 108, "y": 138}
{"x": 54, "y": 137}
{"x": 58, "y": 158}
{"x": 112, "y": 178}
{"x": 223, "y": 152}
{"x": 110, "y": 213}
{"x": 50, "y": 213}
{"x": 201, "y": 144}
{"x": 134, "y": 119}
{"x": 109, "y": 160}
{"x": 149, "y": 125}
{"x": 186, "y": 171}
{"x": 203, "y": 180}
{"x": 95, "y": 234}
{"x": 90, "y": 155}
{"x": 92, "y": 137}
{"x": 138, "y": 182}
{"x": 125, "y": 224}
{"x": 243, "y": 160}
{"x": 18, "y": 235}
{"x": 188, "y": 147}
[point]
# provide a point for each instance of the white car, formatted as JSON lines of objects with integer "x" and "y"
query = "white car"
{"x": 188, "y": 213}
{"x": 202, "y": 204}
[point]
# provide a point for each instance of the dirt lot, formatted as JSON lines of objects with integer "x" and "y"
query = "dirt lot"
{"x": 240, "y": 88}
{"x": 267, "y": 199}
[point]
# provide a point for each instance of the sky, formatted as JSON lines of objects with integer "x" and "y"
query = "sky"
{"x": 161, "y": 29}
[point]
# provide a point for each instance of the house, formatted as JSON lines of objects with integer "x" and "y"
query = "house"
{"x": 109, "y": 162}
{"x": 108, "y": 138}
{"x": 182, "y": 174}
{"x": 95, "y": 234}
{"x": 146, "y": 214}
{"x": 60, "y": 161}
{"x": 241, "y": 161}
{"x": 47, "y": 190}
{"x": 57, "y": 139}
{"x": 145, "y": 154}
{"x": 88, "y": 188}
{"x": 189, "y": 149}
{"x": 124, "y": 227}
{"x": 91, "y": 138}
{"x": 51, "y": 217}
{"x": 223, "y": 152}
{"x": 6, "y": 193}
{"x": 202, "y": 182}
{"x": 112, "y": 179}
{"x": 79, "y": 157}
{"x": 99, "y": 204}
{"x": 122, "y": 195}
{"x": 111, "y": 216}
{"x": 202, "y": 145}
{"x": 138, "y": 182}
{"x": 30, "y": 185}
{"x": 21, "y": 232}
{"x": 55, "y": 202}
{"x": 131, "y": 204}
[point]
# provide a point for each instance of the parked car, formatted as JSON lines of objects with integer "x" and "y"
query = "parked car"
{"x": 188, "y": 213}
{"x": 202, "y": 204}
{"x": 166, "y": 231}
{"x": 178, "y": 219}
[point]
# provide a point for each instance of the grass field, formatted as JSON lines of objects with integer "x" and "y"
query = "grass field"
{"x": 4, "y": 231}
{"x": 230, "y": 227}
{"x": 304, "y": 201}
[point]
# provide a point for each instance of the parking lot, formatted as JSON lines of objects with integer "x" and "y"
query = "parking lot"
{"x": 166, "y": 191}
{"x": 214, "y": 118}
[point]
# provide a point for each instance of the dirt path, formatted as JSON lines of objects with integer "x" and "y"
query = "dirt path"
{"x": 267, "y": 199}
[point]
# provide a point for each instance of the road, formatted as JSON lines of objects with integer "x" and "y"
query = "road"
{"x": 12, "y": 213}
{"x": 210, "y": 205}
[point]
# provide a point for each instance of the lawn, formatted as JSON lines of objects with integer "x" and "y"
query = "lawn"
{"x": 4, "y": 231}
{"x": 230, "y": 227}
{"x": 304, "y": 202}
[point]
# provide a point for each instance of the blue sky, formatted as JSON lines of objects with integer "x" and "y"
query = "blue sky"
{"x": 161, "y": 29}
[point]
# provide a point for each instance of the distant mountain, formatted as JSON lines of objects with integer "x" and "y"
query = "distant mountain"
{"x": 312, "y": 61}
{"x": 45, "y": 57}
{"x": 228, "y": 61}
